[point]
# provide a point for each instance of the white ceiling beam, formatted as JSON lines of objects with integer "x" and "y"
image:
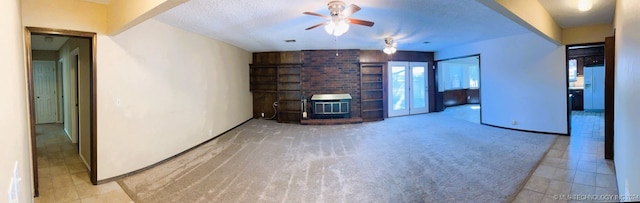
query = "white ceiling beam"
{"x": 529, "y": 14}
{"x": 124, "y": 14}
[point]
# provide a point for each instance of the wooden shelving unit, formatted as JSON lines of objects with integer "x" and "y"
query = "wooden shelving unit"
{"x": 275, "y": 77}
{"x": 264, "y": 86}
{"x": 263, "y": 78}
{"x": 289, "y": 86}
{"x": 373, "y": 98}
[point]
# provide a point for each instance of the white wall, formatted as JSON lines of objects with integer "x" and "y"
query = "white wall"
{"x": 522, "y": 78}
{"x": 77, "y": 118}
{"x": 14, "y": 141}
{"x": 627, "y": 97}
{"x": 176, "y": 89}
{"x": 162, "y": 90}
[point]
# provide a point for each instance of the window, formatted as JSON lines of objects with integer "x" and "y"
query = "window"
{"x": 461, "y": 73}
{"x": 474, "y": 77}
{"x": 573, "y": 70}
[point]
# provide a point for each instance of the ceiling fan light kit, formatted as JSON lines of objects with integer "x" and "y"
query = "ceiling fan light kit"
{"x": 336, "y": 28}
{"x": 338, "y": 21}
{"x": 389, "y": 46}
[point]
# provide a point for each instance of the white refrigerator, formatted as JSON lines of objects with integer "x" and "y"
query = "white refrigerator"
{"x": 594, "y": 88}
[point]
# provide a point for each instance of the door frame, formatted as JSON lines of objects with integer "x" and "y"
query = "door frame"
{"x": 439, "y": 97}
{"x": 60, "y": 89}
{"x": 93, "y": 173}
{"x": 609, "y": 90}
{"x": 609, "y": 98}
{"x": 74, "y": 68}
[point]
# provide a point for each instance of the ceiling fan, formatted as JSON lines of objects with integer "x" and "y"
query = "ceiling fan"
{"x": 339, "y": 19}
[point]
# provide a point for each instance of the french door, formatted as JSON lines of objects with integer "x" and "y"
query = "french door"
{"x": 408, "y": 88}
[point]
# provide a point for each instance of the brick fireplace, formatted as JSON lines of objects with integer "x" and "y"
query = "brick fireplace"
{"x": 325, "y": 73}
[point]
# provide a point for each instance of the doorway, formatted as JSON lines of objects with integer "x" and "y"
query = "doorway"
{"x": 74, "y": 97}
{"x": 458, "y": 88}
{"x": 408, "y": 83}
{"x": 590, "y": 75}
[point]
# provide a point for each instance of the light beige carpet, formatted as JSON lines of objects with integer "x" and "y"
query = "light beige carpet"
{"x": 423, "y": 158}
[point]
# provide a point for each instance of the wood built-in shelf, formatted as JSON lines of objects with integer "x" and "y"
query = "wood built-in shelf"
{"x": 372, "y": 91}
{"x": 289, "y": 93}
{"x": 264, "y": 87}
{"x": 276, "y": 82}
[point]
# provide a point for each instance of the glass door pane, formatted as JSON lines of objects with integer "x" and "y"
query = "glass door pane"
{"x": 398, "y": 80}
{"x": 398, "y": 94}
{"x": 418, "y": 88}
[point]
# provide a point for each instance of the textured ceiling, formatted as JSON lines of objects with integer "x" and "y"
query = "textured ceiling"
{"x": 567, "y": 15}
{"x": 265, "y": 25}
{"x": 38, "y": 42}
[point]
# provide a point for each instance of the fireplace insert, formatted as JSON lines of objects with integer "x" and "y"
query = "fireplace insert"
{"x": 331, "y": 106}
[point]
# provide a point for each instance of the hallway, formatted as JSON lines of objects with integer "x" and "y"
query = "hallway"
{"x": 63, "y": 176}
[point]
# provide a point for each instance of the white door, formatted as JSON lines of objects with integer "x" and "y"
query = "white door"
{"x": 408, "y": 88}
{"x": 419, "y": 88}
{"x": 594, "y": 88}
{"x": 44, "y": 86}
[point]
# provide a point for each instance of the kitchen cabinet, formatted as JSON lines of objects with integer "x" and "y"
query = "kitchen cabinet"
{"x": 577, "y": 101}
{"x": 591, "y": 56}
{"x": 594, "y": 60}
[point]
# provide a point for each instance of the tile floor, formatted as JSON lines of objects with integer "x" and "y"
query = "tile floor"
{"x": 574, "y": 169}
{"x": 63, "y": 176}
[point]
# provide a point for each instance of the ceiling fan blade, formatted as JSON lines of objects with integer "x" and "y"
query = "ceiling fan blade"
{"x": 315, "y": 26}
{"x": 316, "y": 14}
{"x": 351, "y": 9}
{"x": 360, "y": 22}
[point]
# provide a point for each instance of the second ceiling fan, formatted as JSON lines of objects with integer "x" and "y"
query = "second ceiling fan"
{"x": 339, "y": 19}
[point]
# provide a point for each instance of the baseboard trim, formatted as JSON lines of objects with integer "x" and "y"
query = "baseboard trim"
{"x": 68, "y": 134}
{"x": 529, "y": 131}
{"x": 86, "y": 163}
{"x": 168, "y": 159}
